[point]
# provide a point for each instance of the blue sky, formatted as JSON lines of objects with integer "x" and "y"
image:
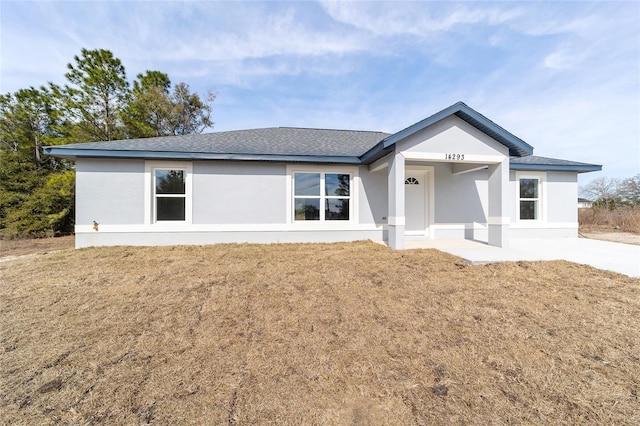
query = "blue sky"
{"x": 563, "y": 76}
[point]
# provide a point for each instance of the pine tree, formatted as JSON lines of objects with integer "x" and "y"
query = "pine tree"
{"x": 27, "y": 123}
{"x": 94, "y": 102}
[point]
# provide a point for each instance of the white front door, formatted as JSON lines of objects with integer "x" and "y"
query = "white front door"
{"x": 415, "y": 203}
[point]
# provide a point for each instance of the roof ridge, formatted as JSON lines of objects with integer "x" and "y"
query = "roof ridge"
{"x": 332, "y": 130}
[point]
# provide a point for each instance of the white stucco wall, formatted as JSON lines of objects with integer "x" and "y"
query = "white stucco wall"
{"x": 460, "y": 198}
{"x": 109, "y": 192}
{"x": 373, "y": 197}
{"x": 230, "y": 202}
{"x": 232, "y": 192}
{"x": 562, "y": 196}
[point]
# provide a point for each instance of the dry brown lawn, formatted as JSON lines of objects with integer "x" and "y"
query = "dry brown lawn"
{"x": 313, "y": 334}
{"x": 28, "y": 246}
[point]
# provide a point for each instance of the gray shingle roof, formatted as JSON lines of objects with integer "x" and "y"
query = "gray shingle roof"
{"x": 533, "y": 162}
{"x": 291, "y": 144}
{"x": 283, "y": 141}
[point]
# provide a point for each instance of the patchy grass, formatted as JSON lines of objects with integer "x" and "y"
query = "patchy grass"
{"x": 313, "y": 334}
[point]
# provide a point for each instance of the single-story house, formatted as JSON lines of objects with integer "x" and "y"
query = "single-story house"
{"x": 453, "y": 175}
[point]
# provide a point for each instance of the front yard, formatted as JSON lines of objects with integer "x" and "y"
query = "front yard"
{"x": 313, "y": 334}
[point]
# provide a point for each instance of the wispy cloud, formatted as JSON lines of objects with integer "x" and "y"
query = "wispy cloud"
{"x": 565, "y": 57}
{"x": 275, "y": 34}
{"x": 423, "y": 20}
{"x": 208, "y": 34}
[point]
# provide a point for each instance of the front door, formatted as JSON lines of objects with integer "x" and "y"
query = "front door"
{"x": 415, "y": 203}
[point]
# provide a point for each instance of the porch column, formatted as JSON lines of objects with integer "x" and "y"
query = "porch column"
{"x": 499, "y": 199}
{"x": 396, "y": 219}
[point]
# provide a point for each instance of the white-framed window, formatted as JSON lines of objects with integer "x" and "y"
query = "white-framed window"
{"x": 168, "y": 187}
{"x": 530, "y": 201}
{"x": 322, "y": 196}
{"x": 170, "y": 194}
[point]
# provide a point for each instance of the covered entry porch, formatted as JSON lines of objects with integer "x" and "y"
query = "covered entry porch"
{"x": 428, "y": 195}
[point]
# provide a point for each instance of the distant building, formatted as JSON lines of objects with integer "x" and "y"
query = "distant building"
{"x": 583, "y": 203}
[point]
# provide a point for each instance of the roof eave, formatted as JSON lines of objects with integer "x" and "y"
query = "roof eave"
{"x": 375, "y": 153}
{"x": 579, "y": 168}
{"x": 75, "y": 153}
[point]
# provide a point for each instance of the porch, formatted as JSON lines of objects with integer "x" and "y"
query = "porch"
{"x": 432, "y": 197}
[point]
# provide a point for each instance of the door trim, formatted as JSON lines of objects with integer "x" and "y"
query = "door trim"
{"x": 428, "y": 173}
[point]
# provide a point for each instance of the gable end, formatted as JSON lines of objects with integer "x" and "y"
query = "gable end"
{"x": 517, "y": 147}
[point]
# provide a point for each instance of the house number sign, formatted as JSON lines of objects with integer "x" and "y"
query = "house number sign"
{"x": 454, "y": 156}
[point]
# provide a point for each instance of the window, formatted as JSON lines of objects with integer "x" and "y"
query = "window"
{"x": 411, "y": 181}
{"x": 170, "y": 194}
{"x": 529, "y": 198}
{"x": 321, "y": 196}
{"x": 168, "y": 188}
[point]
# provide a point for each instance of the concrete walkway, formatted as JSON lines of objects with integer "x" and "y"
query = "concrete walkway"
{"x": 616, "y": 257}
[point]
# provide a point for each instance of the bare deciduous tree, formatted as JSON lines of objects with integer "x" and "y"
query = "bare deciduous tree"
{"x": 603, "y": 190}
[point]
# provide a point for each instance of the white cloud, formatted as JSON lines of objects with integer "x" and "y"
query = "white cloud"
{"x": 564, "y": 57}
{"x": 273, "y": 35}
{"x": 418, "y": 19}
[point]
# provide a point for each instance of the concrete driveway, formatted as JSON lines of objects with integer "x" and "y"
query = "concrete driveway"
{"x": 616, "y": 257}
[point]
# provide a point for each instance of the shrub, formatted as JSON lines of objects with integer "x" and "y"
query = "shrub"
{"x": 622, "y": 218}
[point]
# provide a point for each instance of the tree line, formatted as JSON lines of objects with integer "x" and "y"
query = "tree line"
{"x": 613, "y": 192}
{"x": 96, "y": 104}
